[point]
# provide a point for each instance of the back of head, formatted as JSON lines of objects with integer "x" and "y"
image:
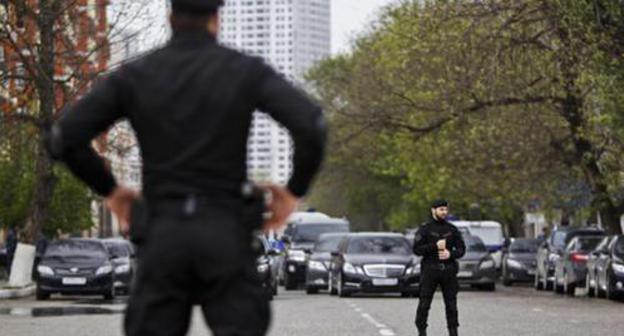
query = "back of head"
{"x": 193, "y": 14}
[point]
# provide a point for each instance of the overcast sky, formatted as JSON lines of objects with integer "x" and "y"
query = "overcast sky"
{"x": 350, "y": 17}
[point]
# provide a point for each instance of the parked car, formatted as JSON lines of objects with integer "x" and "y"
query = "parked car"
{"x": 121, "y": 253}
{"x": 605, "y": 269}
{"x": 267, "y": 265}
{"x": 519, "y": 263}
{"x": 76, "y": 267}
{"x": 571, "y": 268}
{"x": 374, "y": 263}
{"x": 477, "y": 268}
{"x": 552, "y": 250}
{"x": 490, "y": 233}
{"x": 300, "y": 236}
{"x": 317, "y": 275}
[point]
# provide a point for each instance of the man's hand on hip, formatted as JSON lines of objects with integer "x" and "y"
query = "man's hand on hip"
{"x": 119, "y": 202}
{"x": 283, "y": 204}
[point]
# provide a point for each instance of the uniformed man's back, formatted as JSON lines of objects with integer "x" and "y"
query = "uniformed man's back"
{"x": 191, "y": 103}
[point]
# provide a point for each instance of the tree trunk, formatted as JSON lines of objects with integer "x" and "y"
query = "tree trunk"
{"x": 44, "y": 83}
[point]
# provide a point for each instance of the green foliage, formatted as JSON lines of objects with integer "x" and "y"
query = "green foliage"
{"x": 71, "y": 202}
{"x": 493, "y": 103}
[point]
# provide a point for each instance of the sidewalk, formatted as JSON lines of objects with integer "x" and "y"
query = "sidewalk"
{"x": 7, "y": 292}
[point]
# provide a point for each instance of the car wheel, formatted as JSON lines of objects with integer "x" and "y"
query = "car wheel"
{"x": 341, "y": 292}
{"x": 289, "y": 283}
{"x": 42, "y": 295}
{"x": 110, "y": 294}
{"x": 312, "y": 290}
{"x": 568, "y": 288}
{"x": 599, "y": 291}
{"x": 610, "y": 293}
{"x": 491, "y": 287}
{"x": 588, "y": 287}
{"x": 538, "y": 283}
{"x": 548, "y": 285}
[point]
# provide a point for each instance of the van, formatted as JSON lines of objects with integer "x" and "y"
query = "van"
{"x": 490, "y": 232}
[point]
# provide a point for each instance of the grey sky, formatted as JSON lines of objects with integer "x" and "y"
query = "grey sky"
{"x": 350, "y": 17}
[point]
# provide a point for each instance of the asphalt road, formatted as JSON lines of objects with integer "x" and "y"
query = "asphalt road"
{"x": 508, "y": 311}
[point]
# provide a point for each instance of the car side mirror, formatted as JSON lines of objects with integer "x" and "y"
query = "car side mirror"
{"x": 307, "y": 251}
{"x": 113, "y": 257}
{"x": 335, "y": 253}
{"x": 286, "y": 240}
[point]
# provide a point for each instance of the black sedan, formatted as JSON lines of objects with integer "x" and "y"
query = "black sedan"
{"x": 374, "y": 263}
{"x": 267, "y": 266}
{"x": 75, "y": 267}
{"x": 519, "y": 261}
{"x": 605, "y": 274}
{"x": 571, "y": 268}
{"x": 477, "y": 268}
{"x": 317, "y": 275}
{"x": 123, "y": 259}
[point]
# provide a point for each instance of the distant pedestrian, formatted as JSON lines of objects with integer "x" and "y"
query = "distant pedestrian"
{"x": 440, "y": 244}
{"x": 11, "y": 246}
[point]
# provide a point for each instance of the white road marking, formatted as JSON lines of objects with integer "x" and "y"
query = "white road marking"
{"x": 383, "y": 329}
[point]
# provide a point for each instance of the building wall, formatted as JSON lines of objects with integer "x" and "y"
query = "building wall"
{"x": 291, "y": 35}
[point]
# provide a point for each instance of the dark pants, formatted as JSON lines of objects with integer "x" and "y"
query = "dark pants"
{"x": 431, "y": 277}
{"x": 204, "y": 259}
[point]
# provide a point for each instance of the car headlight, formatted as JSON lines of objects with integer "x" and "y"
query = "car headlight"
{"x": 487, "y": 264}
{"x": 414, "y": 269}
{"x": 104, "y": 270}
{"x": 296, "y": 255}
{"x": 349, "y": 268}
{"x": 316, "y": 265}
{"x": 45, "y": 270}
{"x": 619, "y": 268}
{"x": 263, "y": 268}
{"x": 514, "y": 263}
{"x": 122, "y": 269}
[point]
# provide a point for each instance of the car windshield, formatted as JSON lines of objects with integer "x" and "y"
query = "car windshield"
{"x": 311, "y": 232}
{"x": 524, "y": 246}
{"x": 76, "y": 248}
{"x": 117, "y": 249}
{"x": 379, "y": 245}
{"x": 618, "y": 249}
{"x": 560, "y": 239}
{"x": 328, "y": 244}
{"x": 489, "y": 235}
{"x": 474, "y": 244}
{"x": 587, "y": 244}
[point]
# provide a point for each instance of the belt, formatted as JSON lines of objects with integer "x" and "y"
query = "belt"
{"x": 189, "y": 204}
{"x": 439, "y": 266}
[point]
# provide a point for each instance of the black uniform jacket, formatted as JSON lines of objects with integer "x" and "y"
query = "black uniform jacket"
{"x": 191, "y": 103}
{"x": 426, "y": 238}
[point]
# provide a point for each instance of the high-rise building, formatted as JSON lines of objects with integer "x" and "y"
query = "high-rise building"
{"x": 291, "y": 35}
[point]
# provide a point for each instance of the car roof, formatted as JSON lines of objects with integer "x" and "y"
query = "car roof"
{"x": 489, "y": 224}
{"x": 375, "y": 234}
{"x": 332, "y": 234}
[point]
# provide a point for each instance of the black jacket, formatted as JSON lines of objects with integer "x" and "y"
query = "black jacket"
{"x": 427, "y": 236}
{"x": 191, "y": 104}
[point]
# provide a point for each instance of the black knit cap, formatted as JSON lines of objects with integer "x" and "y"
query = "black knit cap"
{"x": 439, "y": 203}
{"x": 196, "y": 6}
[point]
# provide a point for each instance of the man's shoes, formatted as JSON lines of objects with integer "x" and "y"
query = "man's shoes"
{"x": 452, "y": 331}
{"x": 422, "y": 332}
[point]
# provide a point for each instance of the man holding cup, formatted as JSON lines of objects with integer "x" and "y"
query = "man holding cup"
{"x": 440, "y": 244}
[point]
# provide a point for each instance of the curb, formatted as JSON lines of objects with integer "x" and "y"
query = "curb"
{"x": 16, "y": 293}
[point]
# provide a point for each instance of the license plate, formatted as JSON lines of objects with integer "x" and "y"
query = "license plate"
{"x": 464, "y": 274}
{"x": 385, "y": 282}
{"x": 74, "y": 281}
{"x": 531, "y": 272}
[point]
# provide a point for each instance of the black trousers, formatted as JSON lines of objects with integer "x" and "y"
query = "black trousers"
{"x": 446, "y": 277}
{"x": 204, "y": 259}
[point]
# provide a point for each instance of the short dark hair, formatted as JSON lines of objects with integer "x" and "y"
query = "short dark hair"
{"x": 185, "y": 20}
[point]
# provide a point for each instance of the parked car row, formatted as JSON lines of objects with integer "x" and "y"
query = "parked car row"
{"x": 85, "y": 267}
{"x": 572, "y": 258}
